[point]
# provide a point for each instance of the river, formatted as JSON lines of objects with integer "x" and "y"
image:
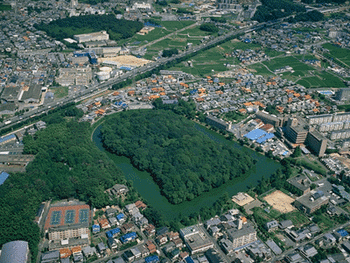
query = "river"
{"x": 144, "y": 184}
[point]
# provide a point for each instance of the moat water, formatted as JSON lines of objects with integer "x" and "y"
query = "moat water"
{"x": 149, "y": 190}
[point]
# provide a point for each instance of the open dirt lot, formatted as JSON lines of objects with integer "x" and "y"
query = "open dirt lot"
{"x": 280, "y": 201}
{"x": 126, "y": 60}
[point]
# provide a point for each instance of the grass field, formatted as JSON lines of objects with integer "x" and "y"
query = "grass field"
{"x": 60, "y": 92}
{"x": 297, "y": 218}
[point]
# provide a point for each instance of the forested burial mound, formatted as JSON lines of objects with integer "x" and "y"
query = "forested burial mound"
{"x": 183, "y": 161}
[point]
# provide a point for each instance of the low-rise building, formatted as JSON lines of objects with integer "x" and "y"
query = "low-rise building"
{"x": 311, "y": 202}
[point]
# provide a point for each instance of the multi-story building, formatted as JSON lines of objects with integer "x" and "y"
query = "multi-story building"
{"x": 320, "y": 119}
{"x": 338, "y": 135}
{"x": 74, "y": 76}
{"x": 97, "y": 36}
{"x": 343, "y": 94}
{"x": 311, "y": 202}
{"x": 296, "y": 134}
{"x": 317, "y": 143}
{"x": 268, "y": 118}
{"x": 331, "y": 126}
{"x": 242, "y": 236}
{"x": 218, "y": 123}
{"x": 68, "y": 231}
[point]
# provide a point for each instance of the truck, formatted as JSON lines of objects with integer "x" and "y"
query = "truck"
{"x": 7, "y": 122}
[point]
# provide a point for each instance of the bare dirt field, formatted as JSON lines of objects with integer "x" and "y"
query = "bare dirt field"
{"x": 280, "y": 201}
{"x": 126, "y": 60}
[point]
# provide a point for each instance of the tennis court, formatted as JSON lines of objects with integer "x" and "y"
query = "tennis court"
{"x": 56, "y": 218}
{"x": 69, "y": 217}
{"x": 83, "y": 215}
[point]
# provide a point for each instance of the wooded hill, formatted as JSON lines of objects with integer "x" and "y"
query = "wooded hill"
{"x": 183, "y": 161}
{"x": 67, "y": 27}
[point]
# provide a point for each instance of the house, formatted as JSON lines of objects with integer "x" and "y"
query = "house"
{"x": 150, "y": 230}
{"x": 308, "y": 251}
{"x": 126, "y": 228}
{"x": 51, "y": 256}
{"x": 140, "y": 205}
{"x": 271, "y": 226}
{"x": 136, "y": 252}
{"x": 162, "y": 239}
{"x": 89, "y": 251}
{"x": 128, "y": 256}
{"x": 101, "y": 247}
{"x": 104, "y": 223}
{"x": 151, "y": 247}
{"x": 285, "y": 224}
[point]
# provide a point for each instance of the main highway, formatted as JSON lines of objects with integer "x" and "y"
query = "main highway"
{"x": 128, "y": 75}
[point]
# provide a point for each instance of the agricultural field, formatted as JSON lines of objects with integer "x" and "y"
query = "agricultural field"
{"x": 320, "y": 80}
{"x": 213, "y": 60}
{"x": 342, "y": 54}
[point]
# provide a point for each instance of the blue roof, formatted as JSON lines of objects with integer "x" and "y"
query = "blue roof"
{"x": 265, "y": 138}
{"x": 189, "y": 260}
{"x": 128, "y": 236}
{"x": 285, "y": 153}
{"x": 112, "y": 232}
{"x": 255, "y": 134}
{"x": 125, "y": 68}
{"x": 258, "y": 135}
{"x": 151, "y": 259}
{"x": 3, "y": 177}
{"x": 120, "y": 216}
{"x": 7, "y": 138}
{"x": 343, "y": 232}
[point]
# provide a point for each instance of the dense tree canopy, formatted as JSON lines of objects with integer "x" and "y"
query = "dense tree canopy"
{"x": 183, "y": 161}
{"x": 67, "y": 164}
{"x": 209, "y": 27}
{"x": 67, "y": 27}
{"x": 274, "y": 9}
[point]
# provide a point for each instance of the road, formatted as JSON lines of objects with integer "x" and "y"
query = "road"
{"x": 131, "y": 74}
{"x": 308, "y": 241}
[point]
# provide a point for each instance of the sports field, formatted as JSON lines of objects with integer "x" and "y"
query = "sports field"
{"x": 280, "y": 201}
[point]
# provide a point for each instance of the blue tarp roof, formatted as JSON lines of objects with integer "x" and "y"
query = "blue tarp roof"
{"x": 112, "y": 232}
{"x": 151, "y": 259}
{"x": 120, "y": 216}
{"x": 189, "y": 260}
{"x": 128, "y": 236}
{"x": 343, "y": 232}
{"x": 3, "y": 177}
